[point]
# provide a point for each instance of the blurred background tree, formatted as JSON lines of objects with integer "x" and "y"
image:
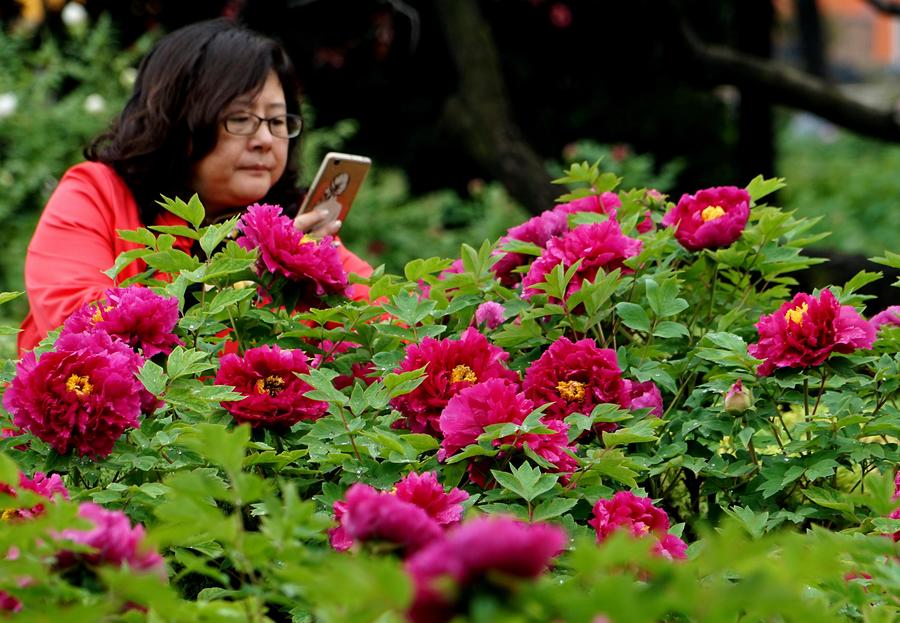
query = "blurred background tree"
{"x": 469, "y": 107}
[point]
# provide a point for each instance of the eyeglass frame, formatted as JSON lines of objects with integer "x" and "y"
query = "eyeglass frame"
{"x": 268, "y": 121}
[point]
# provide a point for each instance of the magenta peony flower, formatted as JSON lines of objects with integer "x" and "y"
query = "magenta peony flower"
{"x": 576, "y": 377}
{"x": 889, "y": 316}
{"x": 81, "y": 396}
{"x": 806, "y": 330}
{"x": 896, "y": 486}
{"x": 671, "y": 547}
{"x": 424, "y": 490}
{"x": 369, "y": 515}
{"x": 136, "y": 315}
{"x": 626, "y": 511}
{"x": 452, "y": 365}
{"x": 597, "y": 245}
{"x": 490, "y": 314}
{"x": 284, "y": 250}
{"x": 114, "y": 540}
{"x": 498, "y": 401}
{"x": 45, "y": 486}
{"x": 273, "y": 393}
{"x": 541, "y": 229}
{"x": 475, "y": 555}
{"x": 637, "y": 515}
{"x": 711, "y": 218}
{"x": 895, "y": 515}
{"x": 643, "y": 396}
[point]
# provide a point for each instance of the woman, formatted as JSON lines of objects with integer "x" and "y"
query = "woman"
{"x": 213, "y": 112}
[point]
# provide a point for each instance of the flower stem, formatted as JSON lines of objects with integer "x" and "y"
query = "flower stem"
{"x": 350, "y": 434}
{"x": 821, "y": 391}
{"x": 712, "y": 293}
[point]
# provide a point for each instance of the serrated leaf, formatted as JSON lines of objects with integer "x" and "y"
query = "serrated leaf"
{"x": 553, "y": 507}
{"x": 526, "y": 481}
{"x": 227, "y": 298}
{"x": 759, "y": 187}
{"x": 633, "y": 316}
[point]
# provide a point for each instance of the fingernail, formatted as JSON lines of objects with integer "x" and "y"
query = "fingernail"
{"x": 323, "y": 211}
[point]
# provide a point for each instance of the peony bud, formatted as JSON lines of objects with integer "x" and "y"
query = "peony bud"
{"x": 738, "y": 399}
{"x": 489, "y": 313}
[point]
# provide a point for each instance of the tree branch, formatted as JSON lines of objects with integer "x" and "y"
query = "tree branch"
{"x": 790, "y": 87}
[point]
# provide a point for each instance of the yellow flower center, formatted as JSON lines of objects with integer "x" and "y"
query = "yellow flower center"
{"x": 271, "y": 385}
{"x": 80, "y": 385}
{"x": 8, "y": 514}
{"x": 98, "y": 315}
{"x": 571, "y": 390}
{"x": 796, "y": 314}
{"x": 711, "y": 213}
{"x": 463, "y": 373}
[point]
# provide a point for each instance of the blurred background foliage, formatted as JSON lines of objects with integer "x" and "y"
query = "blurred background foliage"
{"x": 582, "y": 80}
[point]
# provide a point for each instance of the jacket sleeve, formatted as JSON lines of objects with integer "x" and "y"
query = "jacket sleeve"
{"x": 74, "y": 242}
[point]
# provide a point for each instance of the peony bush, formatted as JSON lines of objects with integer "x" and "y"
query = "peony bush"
{"x": 620, "y": 411}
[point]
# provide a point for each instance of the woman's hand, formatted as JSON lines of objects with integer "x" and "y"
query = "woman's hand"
{"x": 315, "y": 224}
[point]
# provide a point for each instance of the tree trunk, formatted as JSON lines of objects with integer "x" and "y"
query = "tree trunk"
{"x": 479, "y": 113}
{"x": 756, "y": 132}
{"x": 812, "y": 43}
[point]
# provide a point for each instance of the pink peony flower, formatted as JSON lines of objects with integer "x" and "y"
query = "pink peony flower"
{"x": 711, "y": 218}
{"x": 284, "y": 250}
{"x": 638, "y": 516}
{"x": 45, "y": 486}
{"x": 806, "y": 330}
{"x": 490, "y": 314}
{"x": 889, "y": 316}
{"x": 575, "y": 377}
{"x": 896, "y": 486}
{"x": 498, "y": 401}
{"x": 626, "y": 511}
{"x": 273, "y": 393}
{"x": 81, "y": 396}
{"x": 895, "y": 515}
{"x": 8, "y": 603}
{"x": 475, "y": 555}
{"x": 136, "y": 315}
{"x": 114, "y": 540}
{"x": 452, "y": 365}
{"x": 643, "y": 396}
{"x": 671, "y": 547}
{"x": 541, "y": 229}
{"x": 424, "y": 490}
{"x": 599, "y": 246}
{"x": 367, "y": 514}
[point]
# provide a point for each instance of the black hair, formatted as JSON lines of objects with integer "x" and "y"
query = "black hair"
{"x": 171, "y": 120}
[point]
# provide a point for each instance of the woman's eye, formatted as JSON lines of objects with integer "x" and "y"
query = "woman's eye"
{"x": 239, "y": 118}
{"x": 278, "y": 121}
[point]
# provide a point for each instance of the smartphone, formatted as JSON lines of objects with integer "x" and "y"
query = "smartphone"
{"x": 336, "y": 184}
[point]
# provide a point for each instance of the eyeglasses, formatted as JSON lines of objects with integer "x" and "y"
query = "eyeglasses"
{"x": 246, "y": 124}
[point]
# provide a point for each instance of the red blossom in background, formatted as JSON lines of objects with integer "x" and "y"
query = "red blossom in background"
{"x": 45, "y": 486}
{"x": 636, "y": 515}
{"x": 575, "y": 377}
{"x": 711, "y": 218}
{"x": 81, "y": 396}
{"x": 114, "y": 541}
{"x": 424, "y": 490}
{"x": 366, "y": 514}
{"x": 806, "y": 330}
{"x": 599, "y": 246}
{"x": 284, "y": 250}
{"x": 136, "y": 315}
{"x": 452, "y": 365}
{"x": 273, "y": 393}
{"x": 498, "y": 401}
{"x": 471, "y": 555}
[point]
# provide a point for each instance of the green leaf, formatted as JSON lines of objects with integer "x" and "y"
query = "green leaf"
{"x": 633, "y": 316}
{"x": 5, "y": 297}
{"x": 405, "y": 382}
{"x": 821, "y": 469}
{"x": 214, "y": 235}
{"x": 141, "y": 236}
{"x": 525, "y": 481}
{"x": 760, "y": 187}
{"x": 228, "y": 298}
{"x": 552, "y": 507}
{"x": 755, "y": 523}
{"x": 171, "y": 261}
{"x": 219, "y": 445}
{"x": 184, "y": 362}
{"x": 177, "y": 230}
{"x": 669, "y": 329}
{"x": 153, "y": 378}
{"x": 323, "y": 389}
{"x": 192, "y": 211}
{"x": 639, "y": 433}
{"x": 419, "y": 268}
{"x": 829, "y": 498}
{"x": 663, "y": 297}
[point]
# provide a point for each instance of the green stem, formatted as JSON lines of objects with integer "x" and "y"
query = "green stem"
{"x": 712, "y": 294}
{"x": 821, "y": 391}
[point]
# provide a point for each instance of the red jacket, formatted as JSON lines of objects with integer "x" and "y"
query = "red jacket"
{"x": 76, "y": 240}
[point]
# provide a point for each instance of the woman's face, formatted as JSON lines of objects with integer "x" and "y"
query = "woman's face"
{"x": 240, "y": 170}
